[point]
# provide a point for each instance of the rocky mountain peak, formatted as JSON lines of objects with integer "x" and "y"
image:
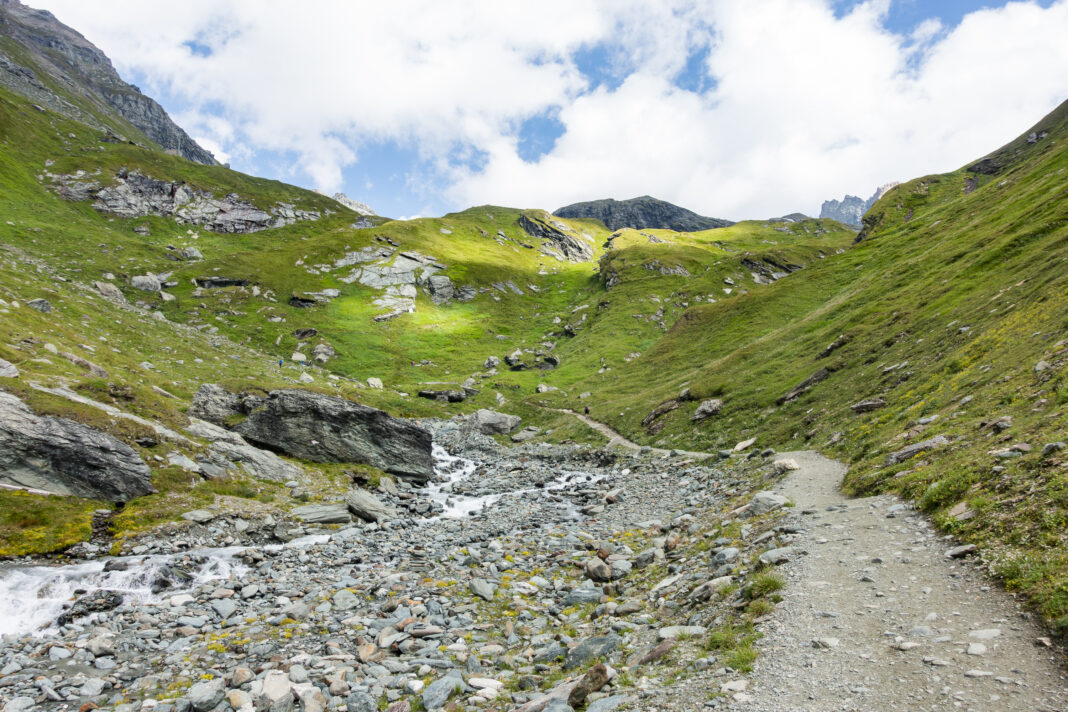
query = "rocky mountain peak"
{"x": 61, "y": 70}
{"x": 850, "y": 209}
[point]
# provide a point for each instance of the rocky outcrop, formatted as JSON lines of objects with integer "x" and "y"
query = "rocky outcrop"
{"x": 58, "y": 68}
{"x": 134, "y": 195}
{"x": 65, "y": 457}
{"x": 311, "y": 426}
{"x": 641, "y": 213}
{"x": 559, "y": 243}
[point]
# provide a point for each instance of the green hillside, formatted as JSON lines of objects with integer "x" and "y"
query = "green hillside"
{"x": 950, "y": 309}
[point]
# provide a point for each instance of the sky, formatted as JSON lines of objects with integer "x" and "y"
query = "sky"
{"x": 733, "y": 108}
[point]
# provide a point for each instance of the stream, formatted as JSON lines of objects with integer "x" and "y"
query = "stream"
{"x": 32, "y": 597}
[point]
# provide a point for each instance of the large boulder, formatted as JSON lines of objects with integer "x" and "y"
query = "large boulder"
{"x": 368, "y": 507}
{"x": 65, "y": 457}
{"x": 490, "y": 422}
{"x": 321, "y": 428}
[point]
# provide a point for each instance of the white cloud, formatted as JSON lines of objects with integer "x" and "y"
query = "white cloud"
{"x": 804, "y": 105}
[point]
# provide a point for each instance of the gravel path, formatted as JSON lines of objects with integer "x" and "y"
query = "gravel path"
{"x": 616, "y": 439}
{"x": 898, "y": 624}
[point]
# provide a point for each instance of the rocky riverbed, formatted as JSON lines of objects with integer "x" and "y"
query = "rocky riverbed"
{"x": 538, "y": 578}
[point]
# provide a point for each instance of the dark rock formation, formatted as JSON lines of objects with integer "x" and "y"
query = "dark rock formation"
{"x": 65, "y": 457}
{"x": 219, "y": 282}
{"x": 95, "y": 602}
{"x": 61, "y": 70}
{"x": 641, "y": 213}
{"x": 562, "y": 246}
{"x": 322, "y": 428}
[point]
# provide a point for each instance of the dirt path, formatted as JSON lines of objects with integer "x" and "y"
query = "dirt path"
{"x": 900, "y": 625}
{"x": 617, "y": 440}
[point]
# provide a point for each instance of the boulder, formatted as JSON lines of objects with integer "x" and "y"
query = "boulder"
{"x": 866, "y": 406}
{"x": 65, "y": 457}
{"x": 915, "y": 449}
{"x": 490, "y": 422}
{"x": 110, "y": 291}
{"x": 368, "y": 507}
{"x": 447, "y": 396}
{"x": 591, "y": 648}
{"x": 764, "y": 502}
{"x": 146, "y": 283}
{"x": 707, "y": 409}
{"x": 322, "y": 428}
{"x": 42, "y": 305}
{"x": 95, "y": 602}
{"x": 323, "y": 514}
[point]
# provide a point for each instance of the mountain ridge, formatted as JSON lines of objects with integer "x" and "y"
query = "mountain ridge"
{"x": 54, "y": 65}
{"x": 640, "y": 213}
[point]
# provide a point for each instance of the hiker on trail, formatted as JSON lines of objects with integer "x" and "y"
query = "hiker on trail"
{"x": 279, "y": 363}
{"x": 587, "y": 410}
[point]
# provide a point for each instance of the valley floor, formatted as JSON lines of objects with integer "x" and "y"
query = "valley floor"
{"x": 878, "y": 617}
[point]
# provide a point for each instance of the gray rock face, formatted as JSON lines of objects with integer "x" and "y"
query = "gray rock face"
{"x": 850, "y": 210}
{"x": 322, "y": 428}
{"x": 41, "y": 305}
{"x": 214, "y": 404}
{"x": 86, "y": 74}
{"x": 62, "y": 456}
{"x": 562, "y": 246}
{"x": 640, "y": 213}
{"x": 490, "y": 422}
{"x": 368, "y": 507}
{"x": 135, "y": 195}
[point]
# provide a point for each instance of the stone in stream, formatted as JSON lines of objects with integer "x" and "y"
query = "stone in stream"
{"x": 65, "y": 457}
{"x": 95, "y": 602}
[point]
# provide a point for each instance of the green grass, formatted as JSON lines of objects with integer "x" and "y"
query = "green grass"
{"x": 949, "y": 294}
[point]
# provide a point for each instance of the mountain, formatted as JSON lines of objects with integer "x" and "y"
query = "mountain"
{"x": 198, "y": 345}
{"x": 850, "y": 210}
{"x": 55, "y": 67}
{"x": 641, "y": 213}
{"x": 355, "y": 206}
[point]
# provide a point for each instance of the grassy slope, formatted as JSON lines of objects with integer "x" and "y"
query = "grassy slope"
{"x": 968, "y": 291}
{"x": 936, "y": 259}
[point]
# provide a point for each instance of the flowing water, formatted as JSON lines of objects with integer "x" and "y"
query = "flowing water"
{"x": 32, "y": 597}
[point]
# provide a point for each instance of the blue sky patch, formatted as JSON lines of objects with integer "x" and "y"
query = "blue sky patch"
{"x": 538, "y": 135}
